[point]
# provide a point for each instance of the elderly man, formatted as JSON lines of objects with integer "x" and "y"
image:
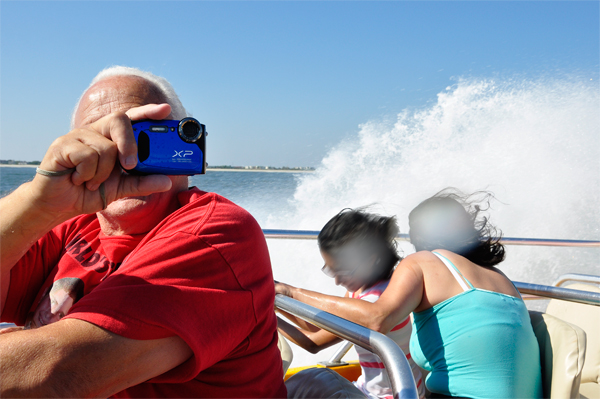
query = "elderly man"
{"x": 178, "y": 289}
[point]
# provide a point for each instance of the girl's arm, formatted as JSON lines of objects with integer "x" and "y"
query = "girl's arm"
{"x": 403, "y": 294}
{"x": 312, "y": 341}
{"x": 298, "y": 321}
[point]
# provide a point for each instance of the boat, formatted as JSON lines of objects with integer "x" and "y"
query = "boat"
{"x": 567, "y": 331}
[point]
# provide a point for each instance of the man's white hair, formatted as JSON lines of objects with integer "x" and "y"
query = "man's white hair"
{"x": 163, "y": 86}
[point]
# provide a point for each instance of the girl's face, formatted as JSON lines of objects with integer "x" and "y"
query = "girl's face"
{"x": 350, "y": 270}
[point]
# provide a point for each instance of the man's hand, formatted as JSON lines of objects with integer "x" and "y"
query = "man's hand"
{"x": 94, "y": 152}
{"x": 7, "y": 330}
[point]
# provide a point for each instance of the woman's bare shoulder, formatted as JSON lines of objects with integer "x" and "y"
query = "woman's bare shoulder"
{"x": 421, "y": 257}
{"x": 417, "y": 262}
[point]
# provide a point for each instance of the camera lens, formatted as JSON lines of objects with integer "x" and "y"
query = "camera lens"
{"x": 189, "y": 130}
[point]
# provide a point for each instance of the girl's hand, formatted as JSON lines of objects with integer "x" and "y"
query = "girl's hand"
{"x": 284, "y": 289}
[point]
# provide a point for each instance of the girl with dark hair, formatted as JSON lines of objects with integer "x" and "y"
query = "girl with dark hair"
{"x": 360, "y": 254}
{"x": 471, "y": 328}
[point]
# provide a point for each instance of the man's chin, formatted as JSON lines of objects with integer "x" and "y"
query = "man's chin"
{"x": 125, "y": 205}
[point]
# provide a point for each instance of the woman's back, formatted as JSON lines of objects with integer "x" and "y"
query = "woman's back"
{"x": 476, "y": 341}
{"x": 440, "y": 284}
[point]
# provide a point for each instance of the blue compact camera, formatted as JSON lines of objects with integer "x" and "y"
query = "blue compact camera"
{"x": 170, "y": 147}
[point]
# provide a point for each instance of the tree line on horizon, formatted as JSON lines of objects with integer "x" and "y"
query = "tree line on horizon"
{"x": 16, "y": 162}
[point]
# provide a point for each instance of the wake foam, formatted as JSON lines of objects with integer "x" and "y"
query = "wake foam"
{"x": 534, "y": 144}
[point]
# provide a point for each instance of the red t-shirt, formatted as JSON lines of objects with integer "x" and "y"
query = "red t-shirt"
{"x": 202, "y": 274}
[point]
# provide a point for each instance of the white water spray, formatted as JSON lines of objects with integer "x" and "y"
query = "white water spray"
{"x": 534, "y": 144}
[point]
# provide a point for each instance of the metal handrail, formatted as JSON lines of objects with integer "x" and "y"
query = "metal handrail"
{"x": 580, "y": 278}
{"x": 586, "y": 297}
{"x": 312, "y": 235}
{"x": 396, "y": 365}
{"x": 566, "y": 294}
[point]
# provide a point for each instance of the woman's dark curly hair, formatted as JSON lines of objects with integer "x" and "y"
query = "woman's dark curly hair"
{"x": 449, "y": 220}
{"x": 369, "y": 232}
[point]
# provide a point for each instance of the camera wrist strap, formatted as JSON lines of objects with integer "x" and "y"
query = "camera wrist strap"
{"x": 52, "y": 173}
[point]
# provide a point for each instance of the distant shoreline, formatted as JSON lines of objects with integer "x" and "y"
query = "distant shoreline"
{"x": 208, "y": 169}
{"x": 259, "y": 170}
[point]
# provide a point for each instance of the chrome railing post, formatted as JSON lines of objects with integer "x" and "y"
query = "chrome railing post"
{"x": 397, "y": 367}
{"x": 336, "y": 358}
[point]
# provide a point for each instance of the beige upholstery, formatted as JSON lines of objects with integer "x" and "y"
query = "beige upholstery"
{"x": 562, "y": 353}
{"x": 589, "y": 390}
{"x": 588, "y": 318}
{"x": 286, "y": 352}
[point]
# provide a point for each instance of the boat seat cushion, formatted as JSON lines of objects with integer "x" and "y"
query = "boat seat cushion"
{"x": 589, "y": 390}
{"x": 286, "y": 352}
{"x": 562, "y": 353}
{"x": 320, "y": 382}
{"x": 588, "y": 318}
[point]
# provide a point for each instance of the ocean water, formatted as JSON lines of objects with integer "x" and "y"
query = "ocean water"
{"x": 534, "y": 143}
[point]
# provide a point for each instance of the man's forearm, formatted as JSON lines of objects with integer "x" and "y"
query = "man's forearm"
{"x": 22, "y": 223}
{"x": 21, "y": 376}
{"x": 74, "y": 358}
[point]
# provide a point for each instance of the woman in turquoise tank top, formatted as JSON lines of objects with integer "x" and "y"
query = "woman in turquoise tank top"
{"x": 471, "y": 329}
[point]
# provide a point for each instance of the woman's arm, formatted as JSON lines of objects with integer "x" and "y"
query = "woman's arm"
{"x": 403, "y": 294}
{"x": 312, "y": 341}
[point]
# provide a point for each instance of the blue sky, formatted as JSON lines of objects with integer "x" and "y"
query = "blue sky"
{"x": 278, "y": 83}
